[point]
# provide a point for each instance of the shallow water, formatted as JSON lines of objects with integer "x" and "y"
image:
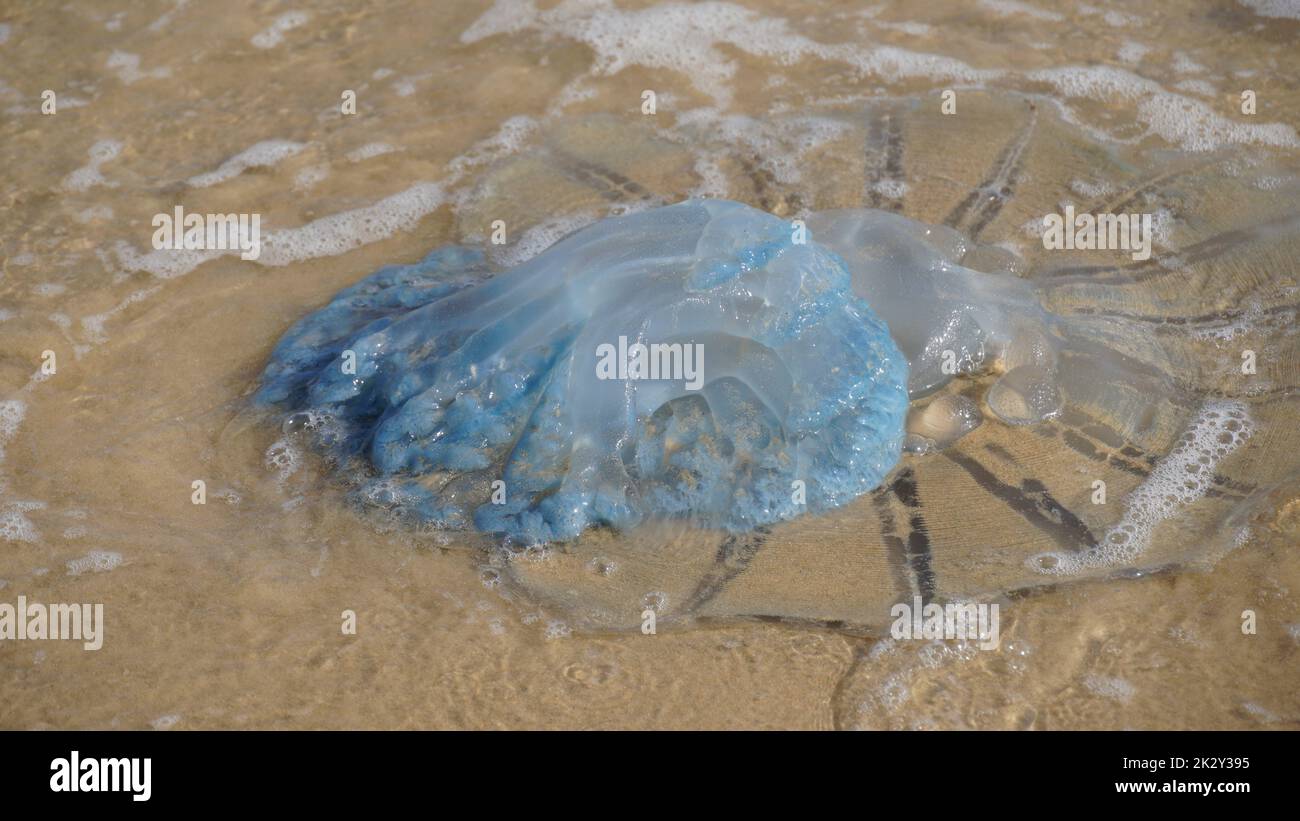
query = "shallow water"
{"x": 228, "y": 614}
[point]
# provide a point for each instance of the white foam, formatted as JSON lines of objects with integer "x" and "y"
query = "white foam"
{"x": 1110, "y": 687}
{"x": 127, "y": 68}
{"x": 556, "y": 629}
{"x": 345, "y": 231}
{"x": 503, "y": 17}
{"x": 1114, "y": 18}
{"x": 165, "y": 722}
{"x": 370, "y": 150}
{"x": 1267, "y": 183}
{"x": 89, "y": 175}
{"x": 283, "y": 458}
{"x": 14, "y": 524}
{"x": 577, "y": 90}
{"x": 96, "y": 561}
{"x": 542, "y": 236}
{"x": 1008, "y": 8}
{"x": 686, "y": 38}
{"x": 1189, "y": 123}
{"x": 1274, "y": 8}
{"x": 1181, "y": 478}
{"x": 780, "y": 144}
{"x": 327, "y": 236}
{"x": 1227, "y": 331}
{"x": 166, "y": 18}
{"x": 310, "y": 177}
{"x": 914, "y": 29}
{"x": 1091, "y": 190}
{"x": 95, "y": 213}
{"x": 509, "y": 137}
{"x": 1197, "y": 87}
{"x": 1196, "y": 127}
{"x": 713, "y": 182}
{"x": 893, "y": 189}
{"x": 1132, "y": 52}
{"x": 259, "y": 155}
{"x": 12, "y": 412}
{"x": 274, "y": 34}
{"x": 1184, "y": 64}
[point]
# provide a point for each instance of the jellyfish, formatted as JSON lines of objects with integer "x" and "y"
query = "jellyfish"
{"x": 883, "y": 406}
{"x": 697, "y": 361}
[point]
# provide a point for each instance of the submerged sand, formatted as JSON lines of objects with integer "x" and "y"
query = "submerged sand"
{"x": 229, "y": 614}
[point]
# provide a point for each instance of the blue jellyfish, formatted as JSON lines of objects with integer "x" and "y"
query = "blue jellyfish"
{"x": 703, "y": 361}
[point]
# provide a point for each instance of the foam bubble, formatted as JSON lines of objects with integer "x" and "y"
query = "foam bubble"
{"x": 14, "y": 524}
{"x": 511, "y": 135}
{"x": 12, "y": 412}
{"x": 310, "y": 177}
{"x": 1131, "y": 52}
{"x": 95, "y": 213}
{"x": 327, "y": 236}
{"x": 1009, "y": 8}
{"x": 1274, "y": 8}
{"x": 1189, "y": 123}
{"x": 558, "y": 630}
{"x": 283, "y": 458}
{"x": 1197, "y": 87}
{"x": 1184, "y": 64}
{"x": 1091, "y": 190}
{"x": 370, "y": 150}
{"x": 260, "y": 155}
{"x": 504, "y": 17}
{"x": 1179, "y": 479}
{"x": 779, "y": 144}
{"x": 713, "y": 182}
{"x": 273, "y": 35}
{"x": 89, "y": 176}
{"x": 1110, "y": 687}
{"x": 96, "y": 561}
{"x": 342, "y": 232}
{"x": 165, "y": 722}
{"x": 127, "y": 68}
{"x": 686, "y": 38}
{"x": 906, "y": 27}
{"x": 542, "y": 236}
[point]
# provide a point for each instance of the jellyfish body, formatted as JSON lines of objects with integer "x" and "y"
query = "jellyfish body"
{"x": 697, "y": 361}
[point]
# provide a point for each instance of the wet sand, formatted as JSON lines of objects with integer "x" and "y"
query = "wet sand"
{"x": 228, "y": 614}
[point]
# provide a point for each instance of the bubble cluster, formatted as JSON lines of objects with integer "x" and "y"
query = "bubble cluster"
{"x": 1182, "y": 477}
